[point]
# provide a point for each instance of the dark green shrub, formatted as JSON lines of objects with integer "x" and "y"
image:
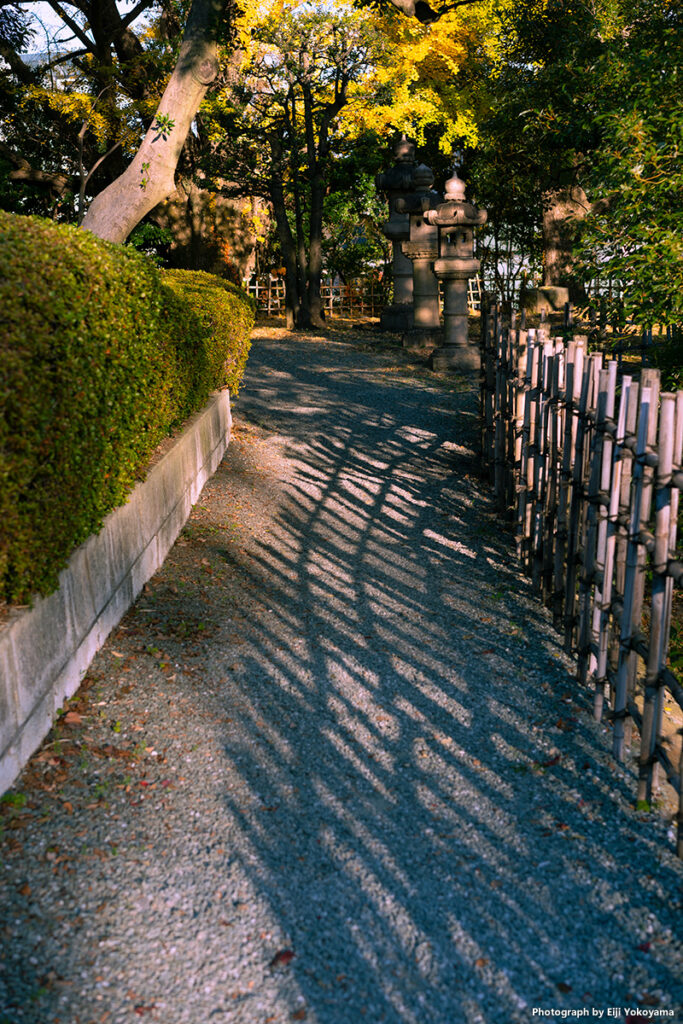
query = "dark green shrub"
{"x": 225, "y": 315}
{"x": 99, "y": 358}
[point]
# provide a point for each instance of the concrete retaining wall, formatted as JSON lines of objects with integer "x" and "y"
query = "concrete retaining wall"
{"x": 45, "y": 650}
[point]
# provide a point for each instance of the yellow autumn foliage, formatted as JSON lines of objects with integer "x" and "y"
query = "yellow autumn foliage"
{"x": 414, "y": 89}
{"x": 412, "y": 85}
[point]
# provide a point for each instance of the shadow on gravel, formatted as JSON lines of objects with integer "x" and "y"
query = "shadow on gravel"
{"x": 376, "y": 795}
{"x": 421, "y": 797}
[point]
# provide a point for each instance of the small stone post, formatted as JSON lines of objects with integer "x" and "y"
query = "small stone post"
{"x": 422, "y": 248}
{"x": 456, "y": 219}
{"x": 396, "y": 183}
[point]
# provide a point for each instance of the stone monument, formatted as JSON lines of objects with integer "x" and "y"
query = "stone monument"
{"x": 456, "y": 219}
{"x": 395, "y": 183}
{"x": 422, "y": 248}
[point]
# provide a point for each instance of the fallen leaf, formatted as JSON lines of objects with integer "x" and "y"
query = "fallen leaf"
{"x": 644, "y": 947}
{"x": 282, "y": 958}
{"x": 72, "y": 718}
{"x": 299, "y": 1015}
{"x": 117, "y": 654}
{"x": 68, "y": 807}
{"x": 481, "y": 962}
{"x": 141, "y": 1010}
{"x": 25, "y": 890}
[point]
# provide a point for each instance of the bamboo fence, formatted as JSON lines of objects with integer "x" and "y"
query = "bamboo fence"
{"x": 588, "y": 463}
{"x": 364, "y": 297}
{"x": 357, "y": 298}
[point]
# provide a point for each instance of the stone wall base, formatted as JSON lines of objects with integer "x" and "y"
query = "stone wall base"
{"x": 45, "y": 650}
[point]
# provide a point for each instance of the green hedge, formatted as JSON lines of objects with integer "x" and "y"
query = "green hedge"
{"x": 101, "y": 354}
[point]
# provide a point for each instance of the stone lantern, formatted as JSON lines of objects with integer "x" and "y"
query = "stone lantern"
{"x": 422, "y": 248}
{"x": 397, "y": 182}
{"x": 456, "y": 219}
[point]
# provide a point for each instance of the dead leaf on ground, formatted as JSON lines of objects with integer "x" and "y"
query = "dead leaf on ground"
{"x": 282, "y": 958}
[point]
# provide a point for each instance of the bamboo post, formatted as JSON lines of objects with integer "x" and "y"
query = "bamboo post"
{"x": 555, "y": 417}
{"x": 509, "y": 424}
{"x": 542, "y": 391}
{"x": 487, "y": 330}
{"x": 520, "y": 437}
{"x": 489, "y": 391}
{"x": 631, "y": 611}
{"x": 603, "y": 603}
{"x": 587, "y": 578}
{"x": 534, "y": 455}
{"x": 500, "y": 416}
{"x": 597, "y": 546}
{"x": 526, "y": 461}
{"x": 576, "y": 510}
{"x": 511, "y": 441}
{"x": 661, "y": 596}
{"x": 623, "y": 519}
{"x": 552, "y": 358}
{"x": 570, "y": 400}
{"x": 649, "y": 378}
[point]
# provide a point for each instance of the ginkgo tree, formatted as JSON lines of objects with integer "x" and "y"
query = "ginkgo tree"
{"x": 428, "y": 81}
{"x": 275, "y": 130}
{"x": 112, "y": 56}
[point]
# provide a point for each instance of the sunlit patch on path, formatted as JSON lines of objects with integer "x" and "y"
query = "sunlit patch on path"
{"x": 334, "y": 761}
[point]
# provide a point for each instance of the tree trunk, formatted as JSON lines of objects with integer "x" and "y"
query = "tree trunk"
{"x": 151, "y": 176}
{"x": 315, "y": 252}
{"x": 316, "y": 156}
{"x": 304, "y": 319}
{"x": 284, "y": 233}
{"x": 562, "y": 213}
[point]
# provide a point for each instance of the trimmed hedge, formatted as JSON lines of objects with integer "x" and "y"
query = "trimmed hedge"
{"x": 101, "y": 354}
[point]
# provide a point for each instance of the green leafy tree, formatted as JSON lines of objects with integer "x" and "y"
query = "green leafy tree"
{"x": 275, "y": 131}
{"x": 579, "y": 156}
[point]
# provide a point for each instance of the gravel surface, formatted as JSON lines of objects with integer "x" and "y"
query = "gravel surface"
{"x": 333, "y": 765}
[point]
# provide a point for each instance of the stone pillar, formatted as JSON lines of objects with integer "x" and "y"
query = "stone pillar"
{"x": 422, "y": 248}
{"x": 455, "y": 220}
{"x": 396, "y": 183}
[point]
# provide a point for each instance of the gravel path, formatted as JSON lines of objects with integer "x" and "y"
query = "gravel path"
{"x": 332, "y": 767}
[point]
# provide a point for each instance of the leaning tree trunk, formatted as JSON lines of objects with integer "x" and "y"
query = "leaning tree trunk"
{"x": 150, "y": 177}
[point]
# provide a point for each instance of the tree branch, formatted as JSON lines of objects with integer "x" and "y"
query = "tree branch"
{"x": 74, "y": 26}
{"x": 22, "y": 71}
{"x": 424, "y": 13}
{"x": 132, "y": 15}
{"x": 56, "y": 181}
